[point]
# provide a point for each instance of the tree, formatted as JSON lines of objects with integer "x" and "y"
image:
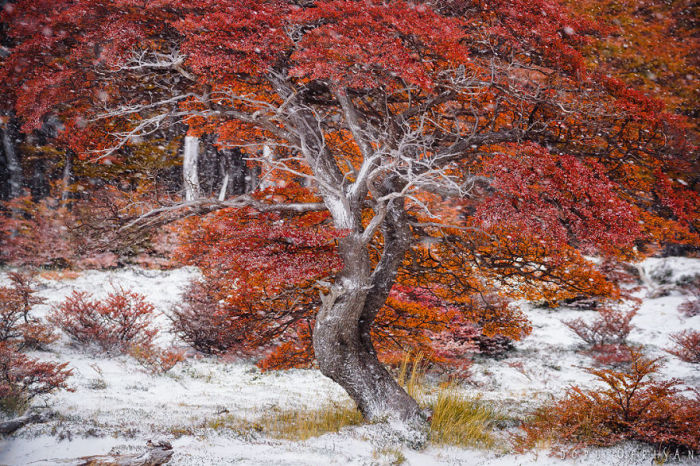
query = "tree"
{"x": 460, "y": 148}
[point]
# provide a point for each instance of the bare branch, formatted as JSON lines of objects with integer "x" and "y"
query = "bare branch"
{"x": 171, "y": 213}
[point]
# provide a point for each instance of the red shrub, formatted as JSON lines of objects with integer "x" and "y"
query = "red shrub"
{"x": 687, "y": 346}
{"x": 619, "y": 272}
{"x": 467, "y": 340}
{"x": 154, "y": 359}
{"x": 611, "y": 327}
{"x": 495, "y": 347}
{"x": 121, "y": 320}
{"x": 691, "y": 307}
{"x": 204, "y": 324}
{"x": 633, "y": 406}
{"x": 22, "y": 378}
{"x": 612, "y": 355}
{"x": 16, "y": 325}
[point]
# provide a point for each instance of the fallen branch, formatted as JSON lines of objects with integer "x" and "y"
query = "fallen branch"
{"x": 7, "y": 427}
{"x": 157, "y": 453}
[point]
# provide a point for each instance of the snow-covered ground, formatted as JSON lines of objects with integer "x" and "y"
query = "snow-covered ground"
{"x": 116, "y": 404}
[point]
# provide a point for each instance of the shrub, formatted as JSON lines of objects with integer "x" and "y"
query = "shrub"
{"x": 687, "y": 346}
{"x": 620, "y": 272}
{"x": 116, "y": 323}
{"x": 154, "y": 359}
{"x": 16, "y": 325}
{"x": 691, "y": 307}
{"x": 611, "y": 327}
{"x": 612, "y": 355}
{"x": 23, "y": 378}
{"x": 202, "y": 323}
{"x": 633, "y": 406}
{"x": 493, "y": 347}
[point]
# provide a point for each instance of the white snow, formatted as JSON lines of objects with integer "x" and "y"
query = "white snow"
{"x": 118, "y": 405}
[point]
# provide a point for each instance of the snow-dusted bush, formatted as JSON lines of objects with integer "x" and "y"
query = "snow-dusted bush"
{"x": 691, "y": 307}
{"x": 202, "y": 323}
{"x": 612, "y": 355}
{"x": 115, "y": 323}
{"x": 611, "y": 327}
{"x": 121, "y": 322}
{"x": 154, "y": 359}
{"x": 687, "y": 346}
{"x": 633, "y": 405}
{"x": 16, "y": 324}
{"x": 23, "y": 378}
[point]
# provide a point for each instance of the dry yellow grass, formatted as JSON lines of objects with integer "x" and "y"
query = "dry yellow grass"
{"x": 460, "y": 420}
{"x": 456, "y": 419}
{"x": 300, "y": 424}
{"x": 304, "y": 424}
{"x": 412, "y": 381}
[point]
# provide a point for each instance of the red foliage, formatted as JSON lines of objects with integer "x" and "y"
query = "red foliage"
{"x": 612, "y": 354}
{"x": 154, "y": 359}
{"x": 203, "y": 323}
{"x": 23, "y": 378}
{"x": 687, "y": 346}
{"x": 16, "y": 324}
{"x": 557, "y": 198}
{"x": 115, "y": 323}
{"x": 619, "y": 272}
{"x": 261, "y": 292}
{"x": 542, "y": 26}
{"x": 632, "y": 406}
{"x": 610, "y": 327}
{"x": 36, "y": 233}
{"x": 261, "y": 282}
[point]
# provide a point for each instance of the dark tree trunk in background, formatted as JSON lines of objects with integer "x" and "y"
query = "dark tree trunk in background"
{"x": 233, "y": 170}
{"x": 208, "y": 167}
{"x": 222, "y": 172}
{"x": 67, "y": 179}
{"x": 40, "y": 186}
{"x": 13, "y": 167}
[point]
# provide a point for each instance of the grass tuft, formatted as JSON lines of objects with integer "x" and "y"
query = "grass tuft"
{"x": 456, "y": 419}
{"x": 414, "y": 381}
{"x": 463, "y": 421}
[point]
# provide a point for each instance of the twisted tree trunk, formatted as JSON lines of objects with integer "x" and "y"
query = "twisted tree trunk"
{"x": 342, "y": 339}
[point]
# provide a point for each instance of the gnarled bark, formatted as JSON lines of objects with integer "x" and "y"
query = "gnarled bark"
{"x": 342, "y": 340}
